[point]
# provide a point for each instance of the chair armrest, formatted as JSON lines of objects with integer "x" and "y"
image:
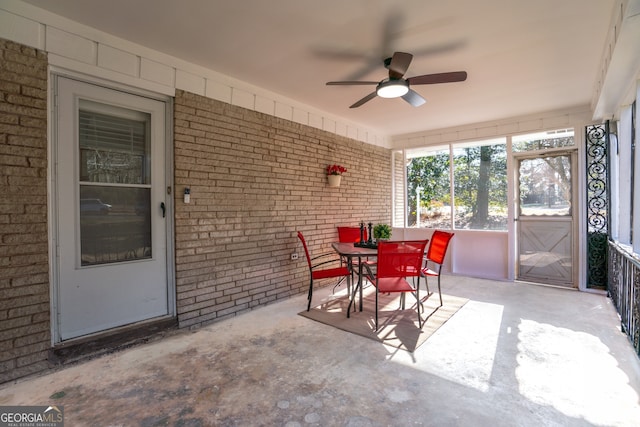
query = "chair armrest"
{"x": 326, "y": 254}
{"x": 317, "y": 261}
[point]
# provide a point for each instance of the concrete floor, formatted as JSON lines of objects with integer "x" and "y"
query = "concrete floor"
{"x": 514, "y": 355}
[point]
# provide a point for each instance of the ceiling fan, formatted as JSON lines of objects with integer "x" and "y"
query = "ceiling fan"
{"x": 396, "y": 86}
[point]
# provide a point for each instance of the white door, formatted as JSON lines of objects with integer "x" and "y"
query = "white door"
{"x": 109, "y": 209}
{"x": 545, "y": 219}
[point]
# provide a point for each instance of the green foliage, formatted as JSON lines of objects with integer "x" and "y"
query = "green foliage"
{"x": 382, "y": 231}
{"x": 432, "y": 174}
{"x": 479, "y": 179}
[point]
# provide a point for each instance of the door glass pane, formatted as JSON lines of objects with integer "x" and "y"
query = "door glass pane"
{"x": 115, "y": 224}
{"x": 545, "y": 186}
{"x": 114, "y": 149}
{"x": 114, "y": 180}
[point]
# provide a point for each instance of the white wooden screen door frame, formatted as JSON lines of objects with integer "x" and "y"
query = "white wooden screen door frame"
{"x": 545, "y": 210}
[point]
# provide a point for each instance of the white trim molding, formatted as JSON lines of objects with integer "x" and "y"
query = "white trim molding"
{"x": 86, "y": 50}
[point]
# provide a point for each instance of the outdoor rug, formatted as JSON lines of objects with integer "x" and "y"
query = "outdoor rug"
{"x": 397, "y": 328}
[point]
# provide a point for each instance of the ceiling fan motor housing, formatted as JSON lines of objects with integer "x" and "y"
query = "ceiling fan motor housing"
{"x": 392, "y": 88}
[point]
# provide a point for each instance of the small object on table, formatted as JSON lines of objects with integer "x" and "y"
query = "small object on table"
{"x": 366, "y": 243}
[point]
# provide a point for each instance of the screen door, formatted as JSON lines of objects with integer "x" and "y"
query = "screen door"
{"x": 110, "y": 209}
{"x": 545, "y": 219}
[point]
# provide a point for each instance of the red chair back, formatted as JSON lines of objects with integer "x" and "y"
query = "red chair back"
{"x": 438, "y": 247}
{"x": 306, "y": 251}
{"x": 350, "y": 234}
{"x": 401, "y": 258}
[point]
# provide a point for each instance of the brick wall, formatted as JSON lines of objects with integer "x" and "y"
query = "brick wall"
{"x": 255, "y": 180}
{"x": 24, "y": 269}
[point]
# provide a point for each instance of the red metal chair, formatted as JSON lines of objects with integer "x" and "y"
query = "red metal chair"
{"x": 317, "y": 273}
{"x": 398, "y": 261}
{"x": 437, "y": 250}
{"x": 350, "y": 234}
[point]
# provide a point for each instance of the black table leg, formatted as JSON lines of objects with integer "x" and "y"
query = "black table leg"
{"x": 360, "y": 279}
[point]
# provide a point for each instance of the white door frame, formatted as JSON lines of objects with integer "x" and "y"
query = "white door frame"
{"x": 53, "y": 201}
{"x": 576, "y": 211}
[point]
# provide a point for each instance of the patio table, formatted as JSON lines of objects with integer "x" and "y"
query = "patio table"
{"x": 350, "y": 251}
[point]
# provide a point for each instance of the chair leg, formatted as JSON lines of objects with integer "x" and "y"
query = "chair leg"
{"x": 352, "y": 299}
{"x": 337, "y": 284}
{"x": 376, "y": 309}
{"x": 439, "y": 291}
{"x": 418, "y": 304}
{"x": 310, "y": 294}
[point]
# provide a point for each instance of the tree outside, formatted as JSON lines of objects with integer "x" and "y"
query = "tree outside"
{"x": 479, "y": 192}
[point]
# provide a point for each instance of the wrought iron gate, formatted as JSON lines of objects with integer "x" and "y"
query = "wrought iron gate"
{"x": 597, "y": 205}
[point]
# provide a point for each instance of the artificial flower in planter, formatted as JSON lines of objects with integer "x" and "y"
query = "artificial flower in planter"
{"x": 334, "y": 174}
{"x": 336, "y": 170}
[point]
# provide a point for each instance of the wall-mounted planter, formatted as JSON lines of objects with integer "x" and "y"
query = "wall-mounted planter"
{"x": 334, "y": 180}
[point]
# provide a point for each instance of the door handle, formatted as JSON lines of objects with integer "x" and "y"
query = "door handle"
{"x": 164, "y": 209}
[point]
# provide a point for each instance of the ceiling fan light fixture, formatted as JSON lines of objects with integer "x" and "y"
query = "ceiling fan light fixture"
{"x": 392, "y": 88}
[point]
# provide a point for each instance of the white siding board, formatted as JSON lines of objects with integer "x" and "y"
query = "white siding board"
{"x": 284, "y": 111}
{"x": 508, "y": 129}
{"x": 363, "y": 135}
{"x": 62, "y": 64}
{"x": 71, "y": 46}
{"x": 530, "y": 125}
{"x": 329, "y": 125}
{"x": 352, "y": 132}
{"x": 315, "y": 121}
{"x": 467, "y": 134}
{"x": 118, "y": 60}
{"x": 243, "y": 99}
{"x": 432, "y": 139}
{"x": 21, "y": 30}
{"x": 219, "y": 91}
{"x": 557, "y": 122}
{"x": 190, "y": 82}
{"x": 265, "y": 105}
{"x": 487, "y": 131}
{"x": 301, "y": 116}
{"x": 450, "y": 136}
{"x": 157, "y": 72}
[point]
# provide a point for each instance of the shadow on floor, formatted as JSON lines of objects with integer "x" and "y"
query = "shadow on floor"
{"x": 515, "y": 354}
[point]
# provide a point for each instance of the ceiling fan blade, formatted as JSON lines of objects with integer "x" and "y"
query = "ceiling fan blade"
{"x": 365, "y": 99}
{"x": 413, "y": 98}
{"x": 430, "y": 79}
{"x": 399, "y": 64}
{"x": 347, "y": 82}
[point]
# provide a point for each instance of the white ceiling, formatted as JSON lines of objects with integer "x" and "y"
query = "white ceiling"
{"x": 521, "y": 56}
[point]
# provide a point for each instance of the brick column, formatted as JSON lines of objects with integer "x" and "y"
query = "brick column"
{"x": 24, "y": 260}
